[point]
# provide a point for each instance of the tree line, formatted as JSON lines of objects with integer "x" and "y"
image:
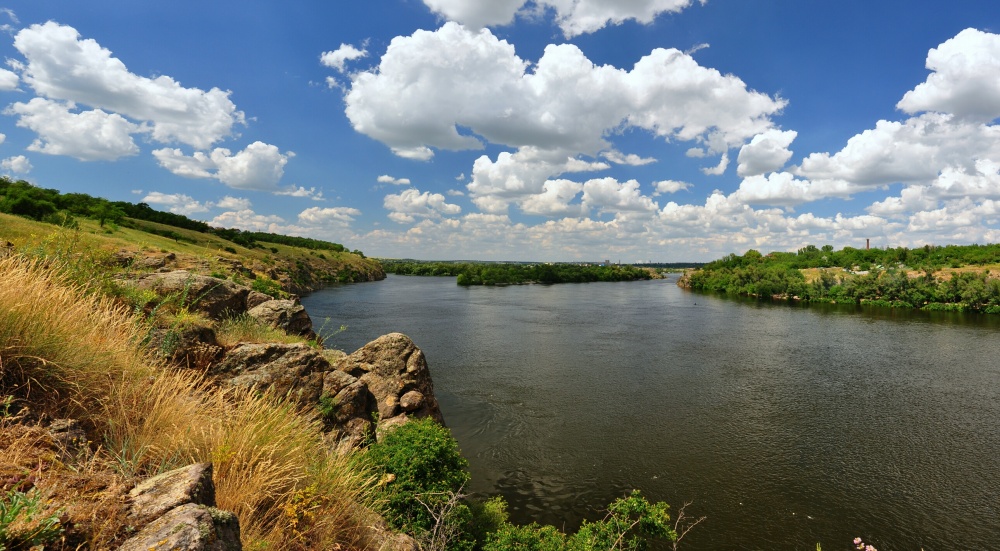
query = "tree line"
{"x": 493, "y": 273}
{"x": 49, "y": 205}
{"x": 897, "y": 277}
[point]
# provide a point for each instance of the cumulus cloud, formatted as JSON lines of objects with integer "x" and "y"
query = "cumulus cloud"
{"x": 88, "y": 135}
{"x": 574, "y": 17}
{"x": 336, "y": 216}
{"x": 718, "y": 169}
{"x": 249, "y": 220}
{"x": 766, "y": 152}
{"x": 554, "y": 200}
{"x": 669, "y": 186}
{"x": 233, "y": 203}
{"x": 259, "y": 166}
{"x": 18, "y": 164}
{"x": 411, "y": 204}
{"x": 516, "y": 176}
{"x": 8, "y": 80}
{"x": 610, "y": 195}
{"x": 456, "y": 89}
{"x": 386, "y": 179}
{"x": 63, "y": 66}
{"x": 337, "y": 59}
{"x": 965, "y": 80}
{"x": 176, "y": 203}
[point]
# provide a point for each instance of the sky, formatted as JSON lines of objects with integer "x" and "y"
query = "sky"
{"x": 532, "y": 130}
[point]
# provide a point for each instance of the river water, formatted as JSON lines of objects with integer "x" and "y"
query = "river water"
{"x": 786, "y": 426}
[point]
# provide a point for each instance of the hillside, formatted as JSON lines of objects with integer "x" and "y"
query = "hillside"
{"x": 148, "y": 246}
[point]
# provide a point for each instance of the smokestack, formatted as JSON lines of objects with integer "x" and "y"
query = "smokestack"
{"x": 868, "y": 244}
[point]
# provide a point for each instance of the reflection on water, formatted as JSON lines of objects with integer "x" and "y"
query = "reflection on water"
{"x": 786, "y": 425}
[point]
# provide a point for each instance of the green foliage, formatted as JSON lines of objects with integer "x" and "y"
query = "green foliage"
{"x": 421, "y": 468}
{"x": 887, "y": 282}
{"x": 493, "y": 273}
{"x": 268, "y": 287}
{"x": 26, "y": 521}
{"x": 630, "y": 524}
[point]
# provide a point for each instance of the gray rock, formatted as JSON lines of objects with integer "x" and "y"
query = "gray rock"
{"x": 287, "y": 315}
{"x": 153, "y": 497}
{"x": 294, "y": 371}
{"x": 411, "y": 401}
{"x": 392, "y": 366}
{"x": 216, "y": 298}
{"x": 189, "y": 527}
{"x": 256, "y": 298}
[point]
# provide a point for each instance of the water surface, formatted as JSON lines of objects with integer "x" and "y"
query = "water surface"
{"x": 784, "y": 425}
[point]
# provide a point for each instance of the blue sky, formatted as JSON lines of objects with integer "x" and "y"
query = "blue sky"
{"x": 662, "y": 130}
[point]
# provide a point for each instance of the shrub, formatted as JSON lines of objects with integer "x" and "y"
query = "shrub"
{"x": 26, "y": 521}
{"x": 421, "y": 467}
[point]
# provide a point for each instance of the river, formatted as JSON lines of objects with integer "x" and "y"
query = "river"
{"x": 784, "y": 425}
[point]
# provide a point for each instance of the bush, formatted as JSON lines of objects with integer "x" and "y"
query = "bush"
{"x": 419, "y": 463}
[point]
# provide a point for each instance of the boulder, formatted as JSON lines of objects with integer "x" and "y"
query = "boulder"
{"x": 189, "y": 527}
{"x": 154, "y": 497}
{"x": 392, "y": 367}
{"x": 256, "y": 298}
{"x": 194, "y": 346}
{"x": 290, "y": 370}
{"x": 216, "y": 298}
{"x": 287, "y": 315}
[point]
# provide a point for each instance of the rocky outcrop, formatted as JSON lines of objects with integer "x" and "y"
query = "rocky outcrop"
{"x": 286, "y": 315}
{"x": 178, "y": 508}
{"x": 189, "y": 527}
{"x": 216, "y": 298}
{"x": 294, "y": 371}
{"x": 395, "y": 372}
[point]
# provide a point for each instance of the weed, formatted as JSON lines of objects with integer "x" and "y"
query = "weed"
{"x": 26, "y": 520}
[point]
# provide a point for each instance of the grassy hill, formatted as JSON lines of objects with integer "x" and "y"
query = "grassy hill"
{"x": 141, "y": 247}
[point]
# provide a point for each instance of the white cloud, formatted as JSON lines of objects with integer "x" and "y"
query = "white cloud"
{"x": 176, "y": 203}
{"x": 18, "y": 164}
{"x": 249, "y": 220}
{"x": 766, "y": 152}
{"x": 455, "y": 193}
{"x": 574, "y": 17}
{"x": 259, "y": 166}
{"x": 718, "y": 169}
{"x": 454, "y": 88}
{"x": 386, "y": 179}
{"x": 669, "y": 186}
{"x": 62, "y": 66}
{"x": 554, "y": 200}
{"x": 913, "y": 151}
{"x": 337, "y": 59}
{"x": 299, "y": 191}
{"x": 3, "y": 138}
{"x": 777, "y": 188}
{"x": 88, "y": 136}
{"x": 965, "y": 80}
{"x": 631, "y": 159}
{"x": 609, "y": 195}
{"x": 8, "y": 80}
{"x": 233, "y": 203}
{"x": 336, "y": 216}
{"x": 411, "y": 204}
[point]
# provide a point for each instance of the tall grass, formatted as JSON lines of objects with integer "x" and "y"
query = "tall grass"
{"x": 72, "y": 354}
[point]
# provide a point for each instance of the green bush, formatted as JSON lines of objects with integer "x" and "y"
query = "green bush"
{"x": 629, "y": 525}
{"x": 421, "y": 467}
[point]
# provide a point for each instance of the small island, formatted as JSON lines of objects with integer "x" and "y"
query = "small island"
{"x": 510, "y": 273}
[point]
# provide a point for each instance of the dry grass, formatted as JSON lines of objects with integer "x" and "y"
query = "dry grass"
{"x": 70, "y": 354}
{"x": 247, "y": 329}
